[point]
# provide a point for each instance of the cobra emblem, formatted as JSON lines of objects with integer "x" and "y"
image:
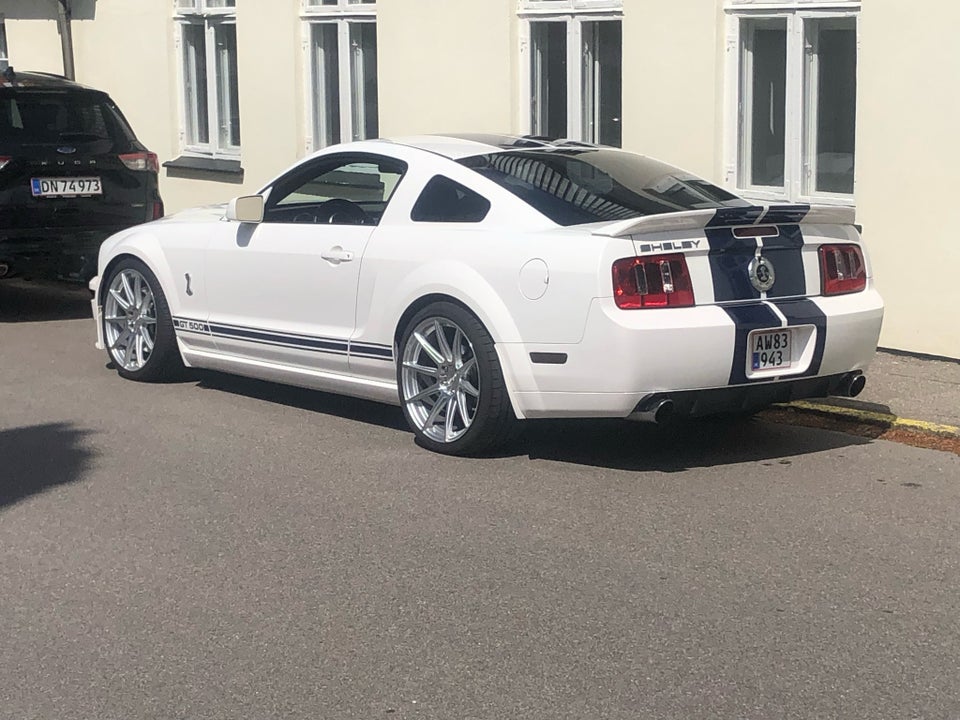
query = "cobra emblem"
{"x": 762, "y": 275}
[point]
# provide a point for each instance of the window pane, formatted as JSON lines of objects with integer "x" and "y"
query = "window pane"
{"x": 221, "y": 3}
{"x": 763, "y": 102}
{"x": 363, "y": 78}
{"x": 444, "y": 200}
{"x": 197, "y": 127}
{"x": 228, "y": 100}
{"x": 832, "y": 71}
{"x": 602, "y": 52}
{"x": 187, "y": 4}
{"x": 326, "y": 91}
{"x": 549, "y": 78}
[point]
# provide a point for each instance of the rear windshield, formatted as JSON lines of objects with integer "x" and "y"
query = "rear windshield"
{"x": 53, "y": 118}
{"x": 573, "y": 186}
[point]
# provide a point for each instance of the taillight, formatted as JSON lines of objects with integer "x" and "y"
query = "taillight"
{"x": 657, "y": 281}
{"x": 141, "y": 161}
{"x": 4, "y": 161}
{"x": 842, "y": 269}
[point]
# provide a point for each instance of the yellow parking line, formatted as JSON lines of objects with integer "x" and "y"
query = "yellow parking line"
{"x": 876, "y": 418}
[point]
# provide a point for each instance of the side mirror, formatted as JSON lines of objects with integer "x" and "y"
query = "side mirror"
{"x": 246, "y": 209}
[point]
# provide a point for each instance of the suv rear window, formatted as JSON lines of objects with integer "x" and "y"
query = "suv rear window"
{"x": 573, "y": 186}
{"x": 52, "y": 118}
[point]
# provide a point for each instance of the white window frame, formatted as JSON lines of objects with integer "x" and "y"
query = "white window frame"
{"x": 573, "y": 13}
{"x": 343, "y": 15}
{"x": 210, "y": 18}
{"x": 799, "y": 170}
{"x": 4, "y": 50}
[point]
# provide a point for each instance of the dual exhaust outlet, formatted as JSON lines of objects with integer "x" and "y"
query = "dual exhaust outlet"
{"x": 662, "y": 411}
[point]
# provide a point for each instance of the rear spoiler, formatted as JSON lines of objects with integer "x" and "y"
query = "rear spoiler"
{"x": 731, "y": 217}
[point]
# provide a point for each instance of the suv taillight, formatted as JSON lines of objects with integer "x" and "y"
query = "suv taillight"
{"x": 842, "y": 269}
{"x": 141, "y": 161}
{"x": 657, "y": 281}
{"x": 4, "y": 161}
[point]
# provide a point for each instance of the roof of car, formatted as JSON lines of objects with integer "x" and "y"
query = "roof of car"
{"x": 47, "y": 81}
{"x": 461, "y": 145}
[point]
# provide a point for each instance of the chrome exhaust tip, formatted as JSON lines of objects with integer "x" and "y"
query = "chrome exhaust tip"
{"x": 852, "y": 385}
{"x": 659, "y": 413}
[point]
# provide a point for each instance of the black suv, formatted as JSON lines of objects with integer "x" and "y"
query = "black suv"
{"x": 71, "y": 173}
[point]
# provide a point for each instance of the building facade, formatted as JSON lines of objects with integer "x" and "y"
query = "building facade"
{"x": 825, "y": 101}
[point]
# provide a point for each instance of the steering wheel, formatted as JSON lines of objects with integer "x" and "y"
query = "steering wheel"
{"x": 344, "y": 212}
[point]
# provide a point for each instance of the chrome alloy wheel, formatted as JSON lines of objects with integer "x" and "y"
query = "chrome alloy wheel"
{"x": 130, "y": 319}
{"x": 440, "y": 382}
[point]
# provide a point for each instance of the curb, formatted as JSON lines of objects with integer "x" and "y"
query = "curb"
{"x": 868, "y": 424}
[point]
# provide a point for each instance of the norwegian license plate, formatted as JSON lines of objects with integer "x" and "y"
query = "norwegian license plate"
{"x": 770, "y": 349}
{"x": 65, "y": 186}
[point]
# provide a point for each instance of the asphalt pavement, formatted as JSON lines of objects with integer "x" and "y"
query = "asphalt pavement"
{"x": 224, "y": 548}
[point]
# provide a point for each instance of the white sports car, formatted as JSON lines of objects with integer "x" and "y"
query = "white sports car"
{"x": 477, "y": 280}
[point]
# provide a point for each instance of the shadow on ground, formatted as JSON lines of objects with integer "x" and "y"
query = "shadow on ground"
{"x": 37, "y": 458}
{"x": 615, "y": 444}
{"x": 24, "y": 301}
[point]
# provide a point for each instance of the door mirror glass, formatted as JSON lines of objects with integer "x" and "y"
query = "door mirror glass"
{"x": 246, "y": 209}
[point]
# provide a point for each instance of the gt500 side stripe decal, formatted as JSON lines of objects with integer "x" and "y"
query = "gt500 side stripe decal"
{"x": 283, "y": 339}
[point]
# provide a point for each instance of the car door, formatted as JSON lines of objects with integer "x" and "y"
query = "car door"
{"x": 284, "y": 290}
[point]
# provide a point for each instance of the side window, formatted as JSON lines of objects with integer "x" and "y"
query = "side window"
{"x": 338, "y": 190}
{"x": 444, "y": 200}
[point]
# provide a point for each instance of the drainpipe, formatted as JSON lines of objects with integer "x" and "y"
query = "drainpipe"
{"x": 66, "y": 37}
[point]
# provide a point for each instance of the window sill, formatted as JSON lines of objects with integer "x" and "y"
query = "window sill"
{"x": 205, "y": 164}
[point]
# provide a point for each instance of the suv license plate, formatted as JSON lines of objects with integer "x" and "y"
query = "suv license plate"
{"x": 65, "y": 187}
{"x": 770, "y": 349}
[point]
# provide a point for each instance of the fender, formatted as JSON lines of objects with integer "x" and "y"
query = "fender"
{"x": 145, "y": 246}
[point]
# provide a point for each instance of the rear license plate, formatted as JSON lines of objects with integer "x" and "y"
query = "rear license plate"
{"x": 65, "y": 187}
{"x": 770, "y": 349}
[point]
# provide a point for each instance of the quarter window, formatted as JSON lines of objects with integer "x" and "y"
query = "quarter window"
{"x": 446, "y": 201}
{"x": 343, "y": 70}
{"x": 208, "y": 50}
{"x": 794, "y": 111}
{"x": 574, "y": 79}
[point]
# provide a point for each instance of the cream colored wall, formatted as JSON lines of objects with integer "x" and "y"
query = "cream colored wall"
{"x": 447, "y": 66}
{"x": 34, "y": 45}
{"x": 673, "y": 82}
{"x": 908, "y": 152}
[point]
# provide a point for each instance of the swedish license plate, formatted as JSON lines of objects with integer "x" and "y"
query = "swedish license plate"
{"x": 65, "y": 186}
{"x": 770, "y": 349}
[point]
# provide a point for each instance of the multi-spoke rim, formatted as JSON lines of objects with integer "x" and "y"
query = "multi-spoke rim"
{"x": 130, "y": 319}
{"x": 440, "y": 380}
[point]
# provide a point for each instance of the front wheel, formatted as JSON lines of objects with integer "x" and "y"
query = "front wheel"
{"x": 451, "y": 386}
{"x": 137, "y": 326}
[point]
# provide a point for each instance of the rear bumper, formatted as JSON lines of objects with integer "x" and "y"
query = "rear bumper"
{"x": 628, "y": 360}
{"x": 54, "y": 253}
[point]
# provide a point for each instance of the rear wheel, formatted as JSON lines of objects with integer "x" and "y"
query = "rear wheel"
{"x": 451, "y": 385}
{"x": 137, "y": 327}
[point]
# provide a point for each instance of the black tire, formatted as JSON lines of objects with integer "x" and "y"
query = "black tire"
{"x": 493, "y": 421}
{"x": 164, "y": 361}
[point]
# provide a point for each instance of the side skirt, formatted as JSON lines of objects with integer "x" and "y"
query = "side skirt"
{"x": 367, "y": 389}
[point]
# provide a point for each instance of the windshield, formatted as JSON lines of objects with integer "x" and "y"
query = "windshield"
{"x": 573, "y": 186}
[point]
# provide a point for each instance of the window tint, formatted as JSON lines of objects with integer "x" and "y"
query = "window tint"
{"x": 576, "y": 186}
{"x": 50, "y": 118}
{"x": 444, "y": 200}
{"x": 339, "y": 190}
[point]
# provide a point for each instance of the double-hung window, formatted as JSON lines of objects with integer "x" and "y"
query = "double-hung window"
{"x": 4, "y": 57}
{"x": 572, "y": 69}
{"x": 207, "y": 34}
{"x": 342, "y": 55}
{"x": 792, "y": 98}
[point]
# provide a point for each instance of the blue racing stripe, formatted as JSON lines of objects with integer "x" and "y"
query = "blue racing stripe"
{"x": 785, "y": 254}
{"x": 301, "y": 342}
{"x": 730, "y": 258}
{"x": 806, "y": 312}
{"x": 788, "y": 214}
{"x": 747, "y": 318}
{"x": 734, "y": 216}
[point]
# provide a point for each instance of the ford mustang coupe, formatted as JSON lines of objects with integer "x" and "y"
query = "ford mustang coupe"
{"x": 477, "y": 280}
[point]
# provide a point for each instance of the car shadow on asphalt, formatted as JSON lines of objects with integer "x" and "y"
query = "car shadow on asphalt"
{"x": 614, "y": 444}
{"x": 24, "y": 301}
{"x": 35, "y": 458}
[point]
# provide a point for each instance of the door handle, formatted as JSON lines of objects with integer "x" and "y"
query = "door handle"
{"x": 337, "y": 255}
